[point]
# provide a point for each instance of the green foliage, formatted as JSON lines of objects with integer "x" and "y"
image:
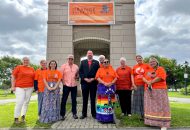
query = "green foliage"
{"x": 6, "y": 66}
{"x": 182, "y": 90}
{"x": 35, "y": 66}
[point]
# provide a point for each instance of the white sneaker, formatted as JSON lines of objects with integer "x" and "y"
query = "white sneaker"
{"x": 163, "y": 128}
{"x": 129, "y": 115}
{"x": 123, "y": 114}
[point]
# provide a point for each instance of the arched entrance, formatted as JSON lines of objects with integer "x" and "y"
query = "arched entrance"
{"x": 99, "y": 46}
{"x": 95, "y": 38}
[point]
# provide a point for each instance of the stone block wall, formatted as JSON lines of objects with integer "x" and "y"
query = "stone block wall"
{"x": 123, "y": 40}
{"x": 122, "y": 34}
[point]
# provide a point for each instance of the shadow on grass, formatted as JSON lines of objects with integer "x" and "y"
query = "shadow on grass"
{"x": 23, "y": 126}
{"x": 18, "y": 126}
{"x": 42, "y": 125}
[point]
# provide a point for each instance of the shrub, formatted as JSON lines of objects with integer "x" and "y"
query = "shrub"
{"x": 182, "y": 90}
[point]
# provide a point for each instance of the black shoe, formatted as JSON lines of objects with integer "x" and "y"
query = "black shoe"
{"x": 23, "y": 119}
{"x": 75, "y": 116}
{"x": 102, "y": 122}
{"x": 94, "y": 117}
{"x": 82, "y": 117}
{"x": 63, "y": 118}
{"x": 113, "y": 122}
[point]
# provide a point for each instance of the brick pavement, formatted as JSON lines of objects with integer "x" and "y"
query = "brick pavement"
{"x": 88, "y": 122}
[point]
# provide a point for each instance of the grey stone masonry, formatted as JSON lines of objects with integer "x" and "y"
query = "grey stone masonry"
{"x": 122, "y": 34}
{"x": 64, "y": 39}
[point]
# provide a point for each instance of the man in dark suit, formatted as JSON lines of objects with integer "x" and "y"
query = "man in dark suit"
{"x": 87, "y": 72}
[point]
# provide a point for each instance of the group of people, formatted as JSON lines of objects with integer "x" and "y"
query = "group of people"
{"x": 102, "y": 82}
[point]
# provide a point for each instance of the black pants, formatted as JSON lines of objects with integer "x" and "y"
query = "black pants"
{"x": 125, "y": 100}
{"x": 86, "y": 89}
{"x": 66, "y": 91}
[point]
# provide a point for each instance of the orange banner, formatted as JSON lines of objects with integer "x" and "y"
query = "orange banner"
{"x": 91, "y": 13}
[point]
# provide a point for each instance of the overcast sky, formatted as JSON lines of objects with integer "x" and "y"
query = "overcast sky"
{"x": 162, "y": 28}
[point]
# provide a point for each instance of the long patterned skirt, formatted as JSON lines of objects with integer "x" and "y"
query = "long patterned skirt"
{"x": 50, "y": 106}
{"x": 138, "y": 101}
{"x": 105, "y": 103}
{"x": 157, "y": 109}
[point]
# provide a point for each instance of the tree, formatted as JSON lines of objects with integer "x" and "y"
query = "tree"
{"x": 6, "y": 66}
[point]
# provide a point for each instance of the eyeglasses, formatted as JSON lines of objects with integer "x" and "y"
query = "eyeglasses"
{"x": 106, "y": 62}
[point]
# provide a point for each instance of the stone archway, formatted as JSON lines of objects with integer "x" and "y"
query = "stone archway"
{"x": 99, "y": 46}
{"x": 95, "y": 38}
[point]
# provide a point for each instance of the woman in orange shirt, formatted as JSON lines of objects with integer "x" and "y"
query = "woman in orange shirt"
{"x": 156, "y": 103}
{"x": 123, "y": 87}
{"x": 51, "y": 99}
{"x": 22, "y": 84}
{"x": 39, "y": 84}
{"x": 106, "y": 77}
{"x": 138, "y": 86}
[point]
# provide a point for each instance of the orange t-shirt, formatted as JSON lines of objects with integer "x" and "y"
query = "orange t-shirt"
{"x": 106, "y": 74}
{"x": 39, "y": 77}
{"x": 24, "y": 76}
{"x": 52, "y": 75}
{"x": 101, "y": 65}
{"x": 138, "y": 72}
{"x": 124, "y": 80}
{"x": 151, "y": 74}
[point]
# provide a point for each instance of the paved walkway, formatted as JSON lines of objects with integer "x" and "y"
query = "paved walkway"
{"x": 182, "y": 100}
{"x": 138, "y": 128}
{"x": 4, "y": 101}
{"x": 88, "y": 122}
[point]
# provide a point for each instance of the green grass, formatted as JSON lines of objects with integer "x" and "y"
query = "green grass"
{"x": 132, "y": 121}
{"x": 180, "y": 117}
{"x": 9, "y": 94}
{"x": 7, "y": 118}
{"x": 180, "y": 114}
{"x": 177, "y": 95}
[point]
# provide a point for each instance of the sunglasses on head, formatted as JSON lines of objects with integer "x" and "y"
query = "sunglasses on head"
{"x": 106, "y": 62}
